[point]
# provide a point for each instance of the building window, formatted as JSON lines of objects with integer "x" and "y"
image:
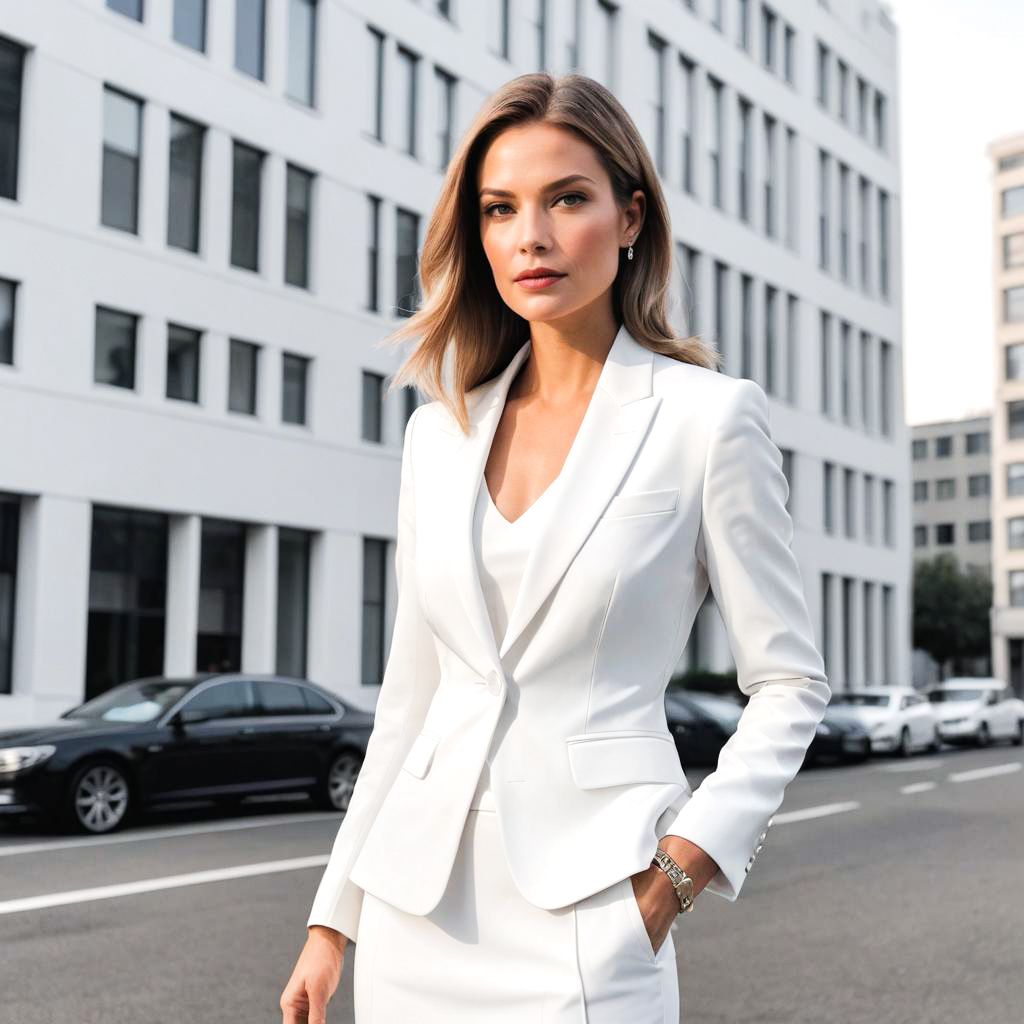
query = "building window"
{"x": 880, "y": 133}
{"x": 885, "y": 387}
{"x": 978, "y": 442}
{"x": 1013, "y": 201}
{"x": 792, "y": 189}
{"x": 246, "y": 191}
{"x": 657, "y": 47}
{"x": 829, "y": 497}
{"x": 500, "y": 21}
{"x": 242, "y": 376}
{"x": 823, "y": 62}
{"x": 869, "y": 507}
{"x": 849, "y": 526}
{"x": 824, "y": 209}
{"x": 717, "y": 13}
{"x": 979, "y": 485}
{"x": 7, "y": 292}
{"x": 1016, "y": 577}
{"x": 221, "y": 595}
{"x": 11, "y": 63}
{"x": 789, "y": 54}
{"x": 743, "y": 161}
{"x": 373, "y": 255}
{"x": 865, "y": 233}
{"x": 408, "y": 63}
{"x": 768, "y": 24}
{"x": 295, "y": 370}
{"x": 296, "y": 249}
{"x": 920, "y": 536}
{"x": 127, "y": 597}
{"x": 1015, "y": 418}
{"x": 743, "y": 24}
{"x": 293, "y": 551}
{"x": 1013, "y": 304}
{"x": 1013, "y": 250}
{"x": 919, "y": 449}
{"x": 883, "y": 243}
{"x": 250, "y": 32}
{"x": 980, "y": 531}
{"x": 10, "y": 514}
{"x": 691, "y": 288}
{"x": 1008, "y": 163}
{"x": 715, "y": 140}
{"x": 1015, "y": 532}
{"x": 302, "y": 50}
{"x": 920, "y": 490}
{"x": 862, "y": 107}
{"x": 771, "y": 173}
{"x": 190, "y": 24}
{"x": 541, "y": 29}
{"x": 377, "y": 92}
{"x": 844, "y": 222}
{"x": 183, "y": 363}
{"x": 122, "y": 153}
{"x": 1015, "y": 361}
{"x": 945, "y": 489}
{"x": 373, "y": 406}
{"x": 407, "y": 289}
{"x": 445, "y": 116}
{"x": 826, "y": 362}
{"x": 374, "y": 610}
{"x": 688, "y": 115}
{"x": 605, "y": 34}
{"x": 114, "y": 353}
{"x": 746, "y": 325}
{"x": 184, "y": 193}
{"x": 771, "y": 306}
{"x": 945, "y": 534}
{"x": 129, "y": 8}
{"x": 944, "y": 446}
{"x": 1015, "y": 479}
{"x": 842, "y": 88}
{"x": 721, "y": 304}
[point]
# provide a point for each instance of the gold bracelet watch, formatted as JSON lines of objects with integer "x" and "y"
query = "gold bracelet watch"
{"x": 681, "y": 881}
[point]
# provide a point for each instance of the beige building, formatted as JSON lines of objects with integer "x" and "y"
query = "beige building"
{"x": 1007, "y": 155}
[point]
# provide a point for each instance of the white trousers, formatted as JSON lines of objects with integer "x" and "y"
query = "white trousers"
{"x": 486, "y": 956}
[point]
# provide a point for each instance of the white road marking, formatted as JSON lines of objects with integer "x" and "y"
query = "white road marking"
{"x": 983, "y": 773}
{"x": 821, "y": 811}
{"x": 917, "y": 787}
{"x": 108, "y": 892}
{"x": 923, "y": 764}
{"x": 142, "y": 835}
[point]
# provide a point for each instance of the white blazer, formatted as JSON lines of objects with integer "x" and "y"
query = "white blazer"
{"x": 672, "y": 483}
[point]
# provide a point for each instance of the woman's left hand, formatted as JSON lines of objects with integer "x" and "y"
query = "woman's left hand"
{"x": 657, "y": 901}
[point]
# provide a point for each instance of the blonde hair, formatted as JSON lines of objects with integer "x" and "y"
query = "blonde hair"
{"x": 461, "y": 306}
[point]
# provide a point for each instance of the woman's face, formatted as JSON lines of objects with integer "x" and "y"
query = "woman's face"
{"x": 530, "y": 217}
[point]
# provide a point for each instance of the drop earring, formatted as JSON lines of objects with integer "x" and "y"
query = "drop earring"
{"x": 629, "y": 254}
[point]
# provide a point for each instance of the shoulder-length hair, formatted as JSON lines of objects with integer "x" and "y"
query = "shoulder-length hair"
{"x": 461, "y": 307}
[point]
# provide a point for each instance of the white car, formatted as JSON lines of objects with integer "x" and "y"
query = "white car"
{"x": 978, "y": 710}
{"x": 897, "y": 718}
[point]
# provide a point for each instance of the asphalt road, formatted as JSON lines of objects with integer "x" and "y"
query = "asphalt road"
{"x": 890, "y": 892}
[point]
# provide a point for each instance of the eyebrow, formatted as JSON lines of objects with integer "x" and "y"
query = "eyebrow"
{"x": 568, "y": 179}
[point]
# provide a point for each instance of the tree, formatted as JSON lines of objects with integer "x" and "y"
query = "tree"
{"x": 951, "y": 611}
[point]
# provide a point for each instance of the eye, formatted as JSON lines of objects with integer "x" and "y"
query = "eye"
{"x": 574, "y": 195}
{"x": 494, "y": 208}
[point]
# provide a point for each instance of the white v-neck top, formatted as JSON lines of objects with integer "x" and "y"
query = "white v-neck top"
{"x": 501, "y": 548}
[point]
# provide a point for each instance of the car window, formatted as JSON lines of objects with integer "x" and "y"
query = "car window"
{"x": 280, "y": 698}
{"x": 315, "y": 704}
{"x": 224, "y": 700}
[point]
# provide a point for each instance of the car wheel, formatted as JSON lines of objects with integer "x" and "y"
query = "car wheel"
{"x": 1018, "y": 736}
{"x": 984, "y": 738}
{"x": 341, "y": 780}
{"x": 904, "y": 748}
{"x": 99, "y": 798}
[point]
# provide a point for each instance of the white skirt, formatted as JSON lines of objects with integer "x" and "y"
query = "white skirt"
{"x": 486, "y": 956}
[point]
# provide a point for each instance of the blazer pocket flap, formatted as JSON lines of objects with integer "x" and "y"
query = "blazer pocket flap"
{"x": 618, "y": 759}
{"x": 421, "y": 754}
{"x": 642, "y": 503}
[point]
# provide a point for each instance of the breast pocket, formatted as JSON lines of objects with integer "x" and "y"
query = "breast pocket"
{"x": 642, "y": 503}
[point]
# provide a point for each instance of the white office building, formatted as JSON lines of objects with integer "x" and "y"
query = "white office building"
{"x": 210, "y": 212}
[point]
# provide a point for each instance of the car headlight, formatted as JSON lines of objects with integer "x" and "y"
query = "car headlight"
{"x": 17, "y": 759}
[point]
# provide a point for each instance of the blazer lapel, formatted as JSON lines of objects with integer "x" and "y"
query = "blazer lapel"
{"x": 613, "y": 427}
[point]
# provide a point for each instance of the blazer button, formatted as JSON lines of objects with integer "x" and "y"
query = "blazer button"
{"x": 493, "y": 682}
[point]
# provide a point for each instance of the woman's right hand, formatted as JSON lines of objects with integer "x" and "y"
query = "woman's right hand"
{"x": 314, "y": 978}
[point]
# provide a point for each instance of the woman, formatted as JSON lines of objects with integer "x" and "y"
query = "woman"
{"x": 522, "y": 835}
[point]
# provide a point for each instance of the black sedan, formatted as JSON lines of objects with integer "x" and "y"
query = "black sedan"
{"x": 214, "y": 736}
{"x": 701, "y": 723}
{"x": 838, "y": 738}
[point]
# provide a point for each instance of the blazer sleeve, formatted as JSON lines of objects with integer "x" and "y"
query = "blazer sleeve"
{"x": 744, "y": 543}
{"x": 410, "y": 680}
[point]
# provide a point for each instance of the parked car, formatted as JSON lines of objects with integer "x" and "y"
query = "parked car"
{"x": 838, "y": 738}
{"x": 898, "y": 719}
{"x": 213, "y": 736}
{"x": 701, "y": 723}
{"x": 977, "y": 710}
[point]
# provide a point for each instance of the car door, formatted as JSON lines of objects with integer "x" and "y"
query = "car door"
{"x": 204, "y": 758}
{"x": 1003, "y": 722}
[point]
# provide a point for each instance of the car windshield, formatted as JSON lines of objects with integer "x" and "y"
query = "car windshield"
{"x": 945, "y": 696}
{"x": 724, "y": 711}
{"x": 863, "y": 700}
{"x": 142, "y": 701}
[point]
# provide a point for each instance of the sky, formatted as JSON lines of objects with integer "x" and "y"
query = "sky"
{"x": 962, "y": 86}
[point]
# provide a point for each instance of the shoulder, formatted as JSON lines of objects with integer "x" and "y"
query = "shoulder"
{"x": 705, "y": 395}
